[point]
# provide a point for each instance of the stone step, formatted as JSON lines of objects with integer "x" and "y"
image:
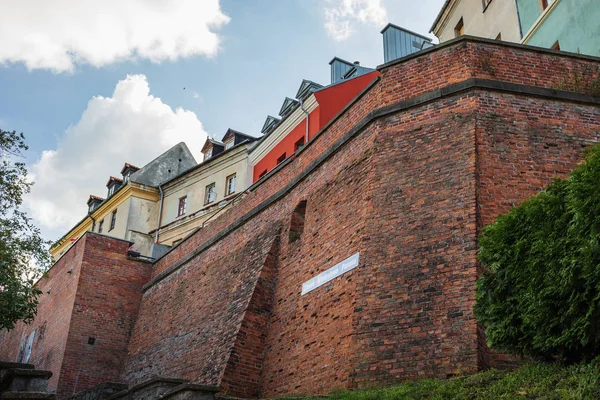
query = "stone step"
{"x": 27, "y": 396}
{"x": 14, "y": 365}
{"x": 24, "y": 380}
{"x": 149, "y": 390}
{"x": 100, "y": 392}
{"x": 191, "y": 391}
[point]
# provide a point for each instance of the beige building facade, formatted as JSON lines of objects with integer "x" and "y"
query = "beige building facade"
{"x": 127, "y": 214}
{"x": 192, "y": 199}
{"x": 131, "y": 207}
{"x": 491, "y": 19}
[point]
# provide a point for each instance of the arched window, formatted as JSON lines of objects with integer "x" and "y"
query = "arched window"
{"x": 297, "y": 221}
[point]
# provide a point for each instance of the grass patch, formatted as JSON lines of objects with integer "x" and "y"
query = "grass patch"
{"x": 535, "y": 381}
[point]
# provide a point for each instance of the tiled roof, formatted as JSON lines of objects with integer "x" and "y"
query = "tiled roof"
{"x": 92, "y": 197}
{"x": 130, "y": 166}
{"x": 113, "y": 179}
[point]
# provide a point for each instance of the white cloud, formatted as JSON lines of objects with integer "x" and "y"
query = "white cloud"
{"x": 131, "y": 126}
{"x": 59, "y": 34}
{"x": 341, "y": 16}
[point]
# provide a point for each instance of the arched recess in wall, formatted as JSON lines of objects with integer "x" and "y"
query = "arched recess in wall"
{"x": 297, "y": 222}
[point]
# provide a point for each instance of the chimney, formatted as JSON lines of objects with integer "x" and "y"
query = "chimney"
{"x": 399, "y": 42}
{"x": 339, "y": 68}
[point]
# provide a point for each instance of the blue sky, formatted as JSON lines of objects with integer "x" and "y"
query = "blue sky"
{"x": 239, "y": 61}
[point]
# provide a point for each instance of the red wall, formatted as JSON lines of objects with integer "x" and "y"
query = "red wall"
{"x": 287, "y": 145}
{"x": 331, "y": 101}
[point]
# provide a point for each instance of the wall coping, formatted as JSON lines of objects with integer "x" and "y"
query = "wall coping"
{"x": 75, "y": 243}
{"x": 476, "y": 39}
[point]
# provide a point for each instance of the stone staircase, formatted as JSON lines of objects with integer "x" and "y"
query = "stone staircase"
{"x": 23, "y": 381}
{"x": 160, "y": 388}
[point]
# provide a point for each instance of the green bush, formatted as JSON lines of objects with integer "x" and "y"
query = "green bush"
{"x": 539, "y": 292}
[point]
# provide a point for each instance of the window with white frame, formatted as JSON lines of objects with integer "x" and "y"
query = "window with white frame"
{"x": 182, "y": 207}
{"x": 229, "y": 144}
{"x": 230, "y": 185}
{"x": 210, "y": 194}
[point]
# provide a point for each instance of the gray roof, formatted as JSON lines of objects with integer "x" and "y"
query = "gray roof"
{"x": 342, "y": 69}
{"x": 288, "y": 106}
{"x": 270, "y": 123}
{"x": 166, "y": 166}
{"x": 306, "y": 88}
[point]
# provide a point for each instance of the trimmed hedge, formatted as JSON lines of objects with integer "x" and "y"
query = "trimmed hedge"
{"x": 539, "y": 293}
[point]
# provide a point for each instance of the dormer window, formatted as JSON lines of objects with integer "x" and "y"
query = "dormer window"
{"x": 93, "y": 203}
{"x": 229, "y": 144}
{"x": 113, "y": 185}
{"x": 127, "y": 170}
{"x": 212, "y": 148}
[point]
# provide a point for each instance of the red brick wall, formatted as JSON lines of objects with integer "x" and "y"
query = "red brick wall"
{"x": 99, "y": 298}
{"x": 53, "y": 316}
{"x": 413, "y": 314}
{"x": 524, "y": 143}
{"x": 410, "y": 192}
{"x": 188, "y": 323}
{"x": 309, "y": 343}
{"x": 106, "y": 306}
{"x": 242, "y": 376}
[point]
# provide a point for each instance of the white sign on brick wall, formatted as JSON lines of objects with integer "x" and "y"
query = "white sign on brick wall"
{"x": 347, "y": 265}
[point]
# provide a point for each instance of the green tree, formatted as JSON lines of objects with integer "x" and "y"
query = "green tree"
{"x": 539, "y": 294}
{"x": 23, "y": 252}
